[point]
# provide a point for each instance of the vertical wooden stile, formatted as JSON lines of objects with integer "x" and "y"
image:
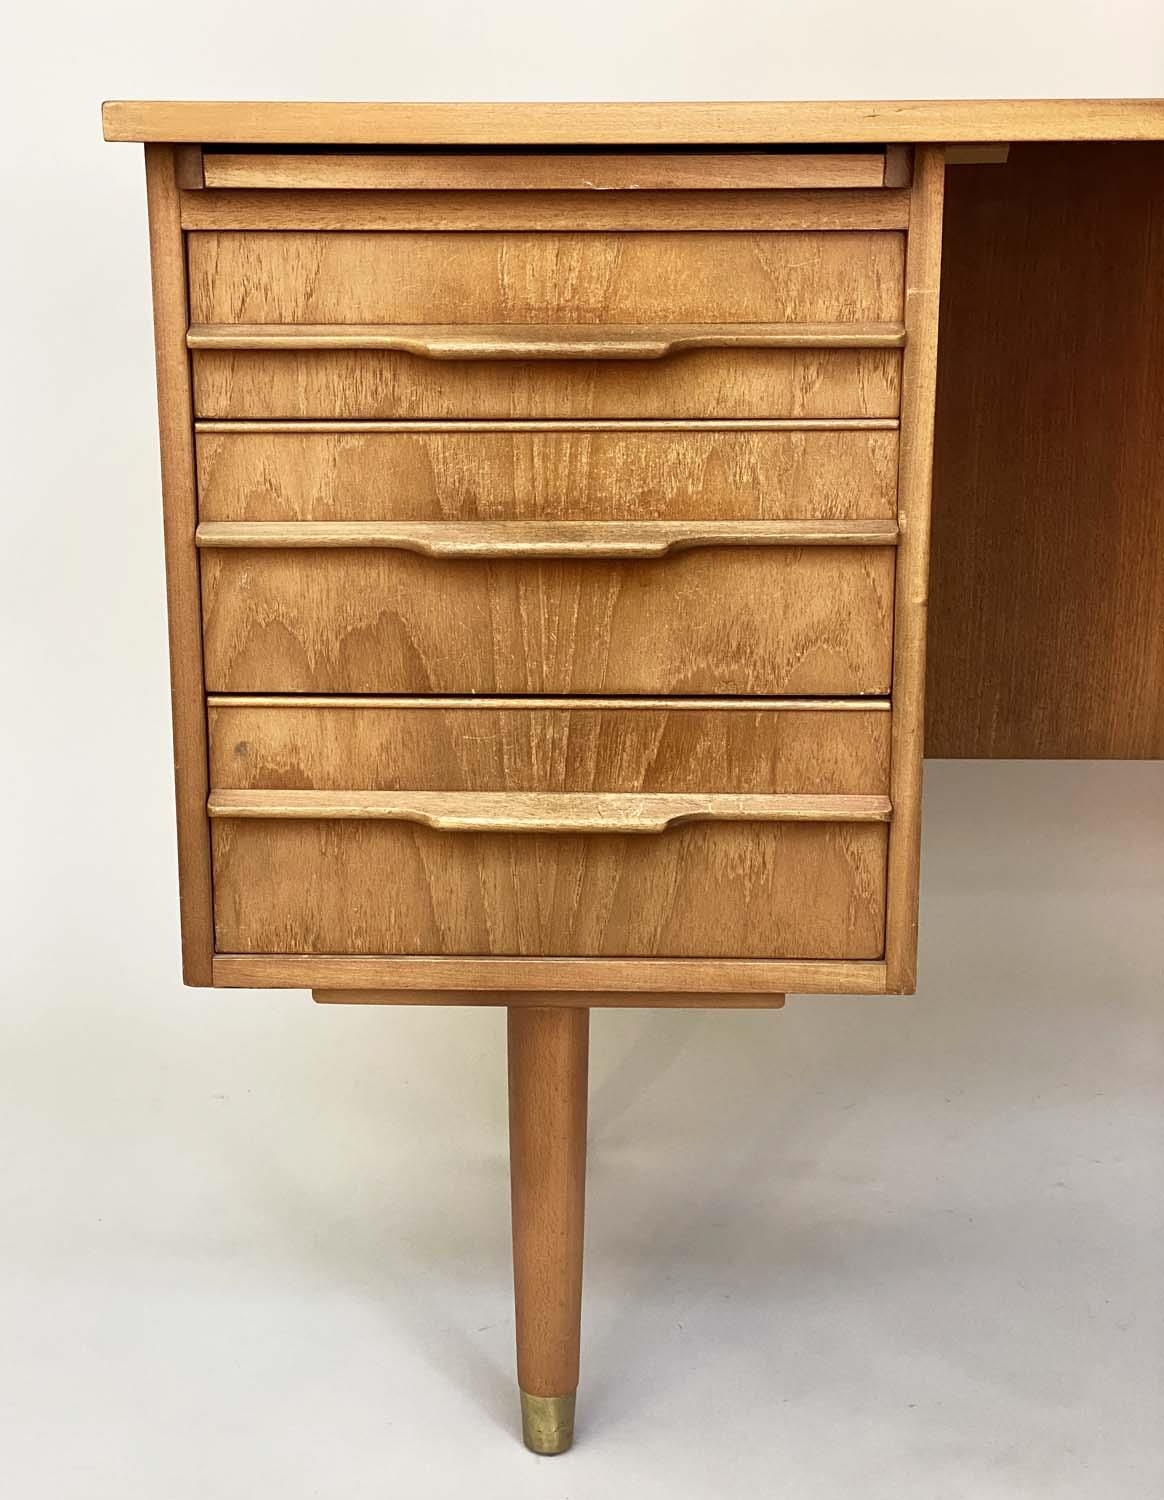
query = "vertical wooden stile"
{"x": 180, "y": 519}
{"x": 919, "y": 375}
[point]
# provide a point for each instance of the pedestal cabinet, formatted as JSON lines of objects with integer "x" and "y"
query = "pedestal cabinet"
{"x": 546, "y": 540}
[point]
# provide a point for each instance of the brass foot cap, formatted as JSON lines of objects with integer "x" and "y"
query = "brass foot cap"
{"x": 547, "y": 1422}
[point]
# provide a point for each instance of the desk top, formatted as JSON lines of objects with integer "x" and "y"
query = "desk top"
{"x": 842, "y": 121}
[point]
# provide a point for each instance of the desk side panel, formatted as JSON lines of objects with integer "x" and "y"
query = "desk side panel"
{"x": 180, "y": 518}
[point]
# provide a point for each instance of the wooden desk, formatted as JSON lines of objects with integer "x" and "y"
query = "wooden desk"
{"x": 547, "y": 524}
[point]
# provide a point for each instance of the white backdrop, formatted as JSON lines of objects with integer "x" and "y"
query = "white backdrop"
{"x": 250, "y": 1247}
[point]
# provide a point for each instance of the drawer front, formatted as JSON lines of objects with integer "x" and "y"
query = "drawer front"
{"x": 748, "y": 620}
{"x": 547, "y": 746}
{"x": 638, "y": 474}
{"x": 762, "y": 890}
{"x": 338, "y": 876}
{"x": 546, "y": 277}
{"x": 697, "y": 383}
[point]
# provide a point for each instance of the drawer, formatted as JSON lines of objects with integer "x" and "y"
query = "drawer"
{"x": 760, "y": 382}
{"x": 620, "y": 849}
{"x": 588, "y": 277}
{"x": 549, "y": 745}
{"x": 748, "y": 619}
{"x": 703, "y": 889}
{"x": 508, "y": 473}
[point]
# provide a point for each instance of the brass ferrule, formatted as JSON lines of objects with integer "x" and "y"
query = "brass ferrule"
{"x": 547, "y": 1422}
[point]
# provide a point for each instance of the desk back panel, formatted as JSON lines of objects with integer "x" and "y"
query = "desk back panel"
{"x": 1047, "y": 574}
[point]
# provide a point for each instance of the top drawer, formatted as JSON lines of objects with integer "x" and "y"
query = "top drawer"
{"x": 588, "y": 277}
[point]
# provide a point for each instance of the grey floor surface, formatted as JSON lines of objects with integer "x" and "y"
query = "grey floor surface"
{"x": 861, "y": 1248}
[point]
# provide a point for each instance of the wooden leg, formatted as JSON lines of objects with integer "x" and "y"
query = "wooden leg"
{"x": 548, "y": 1056}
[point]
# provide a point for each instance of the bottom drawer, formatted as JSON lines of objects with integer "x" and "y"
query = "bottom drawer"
{"x": 364, "y": 885}
{"x": 565, "y": 829}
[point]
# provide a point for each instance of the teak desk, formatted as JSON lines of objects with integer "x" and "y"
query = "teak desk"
{"x": 547, "y": 515}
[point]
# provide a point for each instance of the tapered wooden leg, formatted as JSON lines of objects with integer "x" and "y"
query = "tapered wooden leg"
{"x": 548, "y": 1056}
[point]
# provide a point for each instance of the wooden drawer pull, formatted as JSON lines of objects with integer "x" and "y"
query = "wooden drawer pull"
{"x": 544, "y": 341}
{"x": 550, "y": 812}
{"x": 486, "y": 539}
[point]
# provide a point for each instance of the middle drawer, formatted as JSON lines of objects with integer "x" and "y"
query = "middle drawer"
{"x": 547, "y": 471}
{"x": 750, "y": 619}
{"x": 546, "y": 277}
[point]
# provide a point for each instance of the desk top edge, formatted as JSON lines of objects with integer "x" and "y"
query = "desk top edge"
{"x": 885, "y": 122}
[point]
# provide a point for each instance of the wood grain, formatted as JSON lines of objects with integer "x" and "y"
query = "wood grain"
{"x": 563, "y": 745}
{"x": 534, "y": 976}
{"x": 718, "y": 620}
{"x": 781, "y": 890}
{"x": 702, "y": 383}
{"x": 548, "y": 1059}
{"x": 911, "y": 593}
{"x": 817, "y": 122}
{"x": 562, "y": 474}
{"x": 594, "y": 277}
{"x": 302, "y": 209}
{"x": 540, "y": 171}
{"x": 1048, "y": 554}
{"x": 179, "y": 517}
